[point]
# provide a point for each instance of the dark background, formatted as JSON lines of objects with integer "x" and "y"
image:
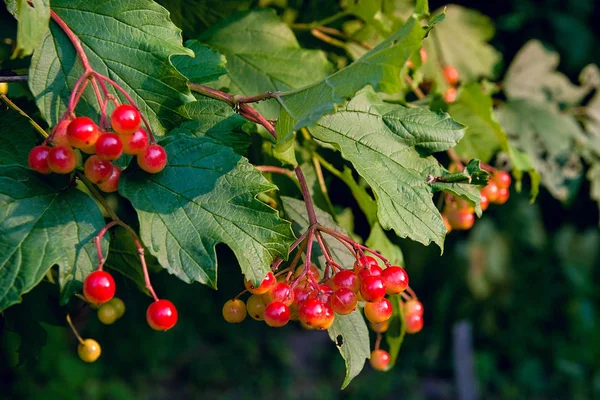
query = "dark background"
{"x": 523, "y": 279}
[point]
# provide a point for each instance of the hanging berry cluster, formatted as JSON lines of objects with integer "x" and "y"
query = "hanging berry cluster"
{"x": 303, "y": 294}
{"x": 460, "y": 215}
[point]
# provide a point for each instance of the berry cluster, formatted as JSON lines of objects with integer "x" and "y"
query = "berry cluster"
{"x": 460, "y": 215}
{"x": 452, "y": 77}
{"x": 83, "y": 134}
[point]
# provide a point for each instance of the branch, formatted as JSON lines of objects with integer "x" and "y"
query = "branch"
{"x": 13, "y": 78}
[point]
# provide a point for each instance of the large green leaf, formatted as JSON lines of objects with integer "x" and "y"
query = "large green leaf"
{"x": 351, "y": 336}
{"x": 461, "y": 41}
{"x": 389, "y": 146}
{"x": 129, "y": 41}
{"x": 379, "y": 68}
{"x": 42, "y": 225}
{"x": 263, "y": 55}
{"x": 33, "y": 17}
{"x": 205, "y": 196}
{"x": 396, "y": 329}
{"x": 548, "y": 138}
{"x": 206, "y": 66}
{"x": 17, "y": 138}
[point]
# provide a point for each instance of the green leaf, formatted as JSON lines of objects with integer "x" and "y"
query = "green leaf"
{"x": 461, "y": 41}
{"x": 533, "y": 75}
{"x": 263, "y": 55}
{"x": 42, "y": 225}
{"x": 396, "y": 330}
{"x": 389, "y": 145}
{"x": 207, "y": 65}
{"x": 133, "y": 48}
{"x": 379, "y": 241}
{"x": 17, "y": 138}
{"x": 295, "y": 211}
{"x": 33, "y": 17}
{"x": 471, "y": 174}
{"x": 379, "y": 68}
{"x": 351, "y": 336}
{"x": 206, "y": 195}
{"x": 548, "y": 138}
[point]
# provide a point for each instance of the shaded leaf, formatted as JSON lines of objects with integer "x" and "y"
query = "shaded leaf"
{"x": 207, "y": 65}
{"x": 33, "y": 17}
{"x": 17, "y": 138}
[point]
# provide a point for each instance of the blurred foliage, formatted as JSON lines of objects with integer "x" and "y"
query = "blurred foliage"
{"x": 525, "y": 278}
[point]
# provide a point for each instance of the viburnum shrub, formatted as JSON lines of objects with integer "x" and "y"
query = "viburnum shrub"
{"x": 163, "y": 150}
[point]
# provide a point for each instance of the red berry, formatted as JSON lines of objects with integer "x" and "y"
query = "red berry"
{"x": 373, "y": 270}
{"x": 450, "y": 95}
{"x": 414, "y": 323}
{"x": 301, "y": 294}
{"x": 276, "y": 314}
{"x": 378, "y": 311}
{"x": 328, "y": 318}
{"x": 312, "y": 312}
{"x": 503, "y": 195}
{"x": 372, "y": 288}
{"x": 313, "y": 270}
{"x": 502, "y": 179}
{"x": 136, "y": 143}
{"x": 153, "y": 159}
{"x": 109, "y": 146}
{"x": 62, "y": 159}
{"x": 396, "y": 280}
{"x": 413, "y": 307}
{"x": 125, "y": 119}
{"x": 82, "y": 133}
{"x": 344, "y": 301}
{"x": 59, "y": 137}
{"x": 112, "y": 183}
{"x": 380, "y": 359}
{"x": 97, "y": 170}
{"x": 161, "y": 315}
{"x": 461, "y": 219}
{"x": 234, "y": 311}
{"x": 38, "y": 159}
{"x": 256, "y": 307}
{"x": 346, "y": 279}
{"x": 490, "y": 191}
{"x": 447, "y": 223}
{"x": 364, "y": 262}
{"x": 99, "y": 287}
{"x": 451, "y": 74}
{"x": 484, "y": 203}
{"x": 280, "y": 292}
{"x": 380, "y": 327}
{"x": 324, "y": 294}
{"x": 268, "y": 282}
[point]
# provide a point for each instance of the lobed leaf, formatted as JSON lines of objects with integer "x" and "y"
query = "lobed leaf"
{"x": 207, "y": 65}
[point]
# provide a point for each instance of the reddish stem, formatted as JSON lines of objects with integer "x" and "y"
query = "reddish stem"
{"x": 378, "y": 341}
{"x": 343, "y": 238}
{"x": 74, "y": 39}
{"x": 276, "y": 170}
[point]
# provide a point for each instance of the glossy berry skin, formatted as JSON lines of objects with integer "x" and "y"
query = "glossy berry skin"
{"x": 109, "y": 146}
{"x": 107, "y": 314}
{"x": 372, "y": 288}
{"x": 414, "y": 323}
{"x": 396, "y": 280}
{"x": 280, "y": 292}
{"x": 502, "y": 179}
{"x": 62, "y": 159}
{"x": 82, "y": 132}
{"x": 378, "y": 311}
{"x": 312, "y": 312}
{"x": 373, "y": 270}
{"x": 451, "y": 74}
{"x": 380, "y": 327}
{"x": 89, "y": 350}
{"x": 97, "y": 170}
{"x": 153, "y": 159}
{"x": 344, "y": 301}
{"x": 484, "y": 203}
{"x": 161, "y": 315}
{"x": 255, "y": 306}
{"x": 461, "y": 220}
{"x": 364, "y": 262}
{"x": 119, "y": 305}
{"x": 380, "y": 359}
{"x": 413, "y": 307}
{"x": 234, "y": 311}
{"x": 277, "y": 314}
{"x": 301, "y": 294}
{"x": 328, "y": 318}
{"x": 99, "y": 287}
{"x": 268, "y": 282}
{"x": 38, "y": 159}
{"x": 112, "y": 183}
{"x": 346, "y": 279}
{"x": 450, "y": 95}
{"x": 324, "y": 294}
{"x": 503, "y": 195}
{"x": 490, "y": 191}
{"x": 125, "y": 119}
{"x": 136, "y": 143}
{"x": 59, "y": 137}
